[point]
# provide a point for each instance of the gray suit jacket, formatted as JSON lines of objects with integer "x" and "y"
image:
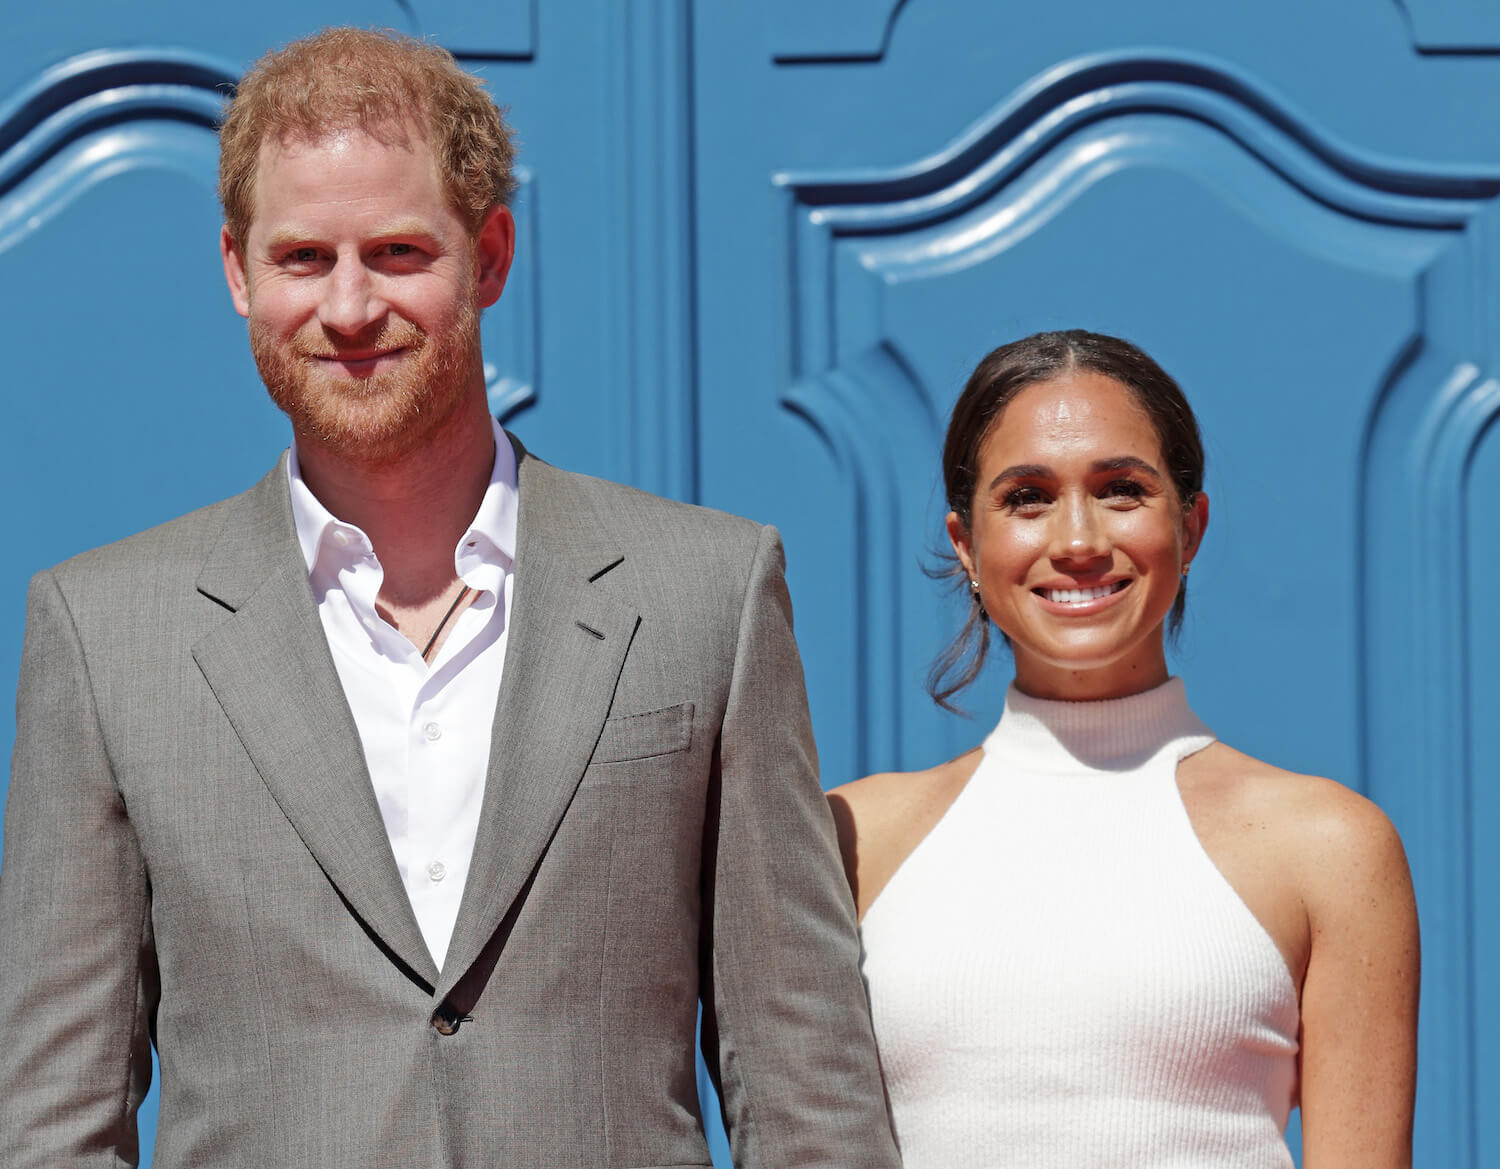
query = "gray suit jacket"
{"x": 193, "y": 853}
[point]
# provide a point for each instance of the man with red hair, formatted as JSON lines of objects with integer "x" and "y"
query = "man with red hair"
{"x": 412, "y": 801}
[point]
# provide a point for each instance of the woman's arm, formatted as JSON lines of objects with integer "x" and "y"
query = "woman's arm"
{"x": 1359, "y": 996}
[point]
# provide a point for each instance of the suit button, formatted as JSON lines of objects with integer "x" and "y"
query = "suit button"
{"x": 445, "y": 1020}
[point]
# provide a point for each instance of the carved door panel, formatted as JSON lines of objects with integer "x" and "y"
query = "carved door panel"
{"x": 1290, "y": 205}
{"x": 761, "y": 247}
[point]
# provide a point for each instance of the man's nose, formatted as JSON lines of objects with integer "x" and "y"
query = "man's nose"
{"x": 351, "y": 300}
{"x": 1079, "y": 534}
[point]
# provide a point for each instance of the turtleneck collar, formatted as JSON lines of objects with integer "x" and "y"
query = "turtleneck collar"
{"x": 1046, "y": 736}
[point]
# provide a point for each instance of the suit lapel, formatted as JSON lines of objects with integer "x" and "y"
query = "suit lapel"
{"x": 270, "y": 669}
{"x": 565, "y": 650}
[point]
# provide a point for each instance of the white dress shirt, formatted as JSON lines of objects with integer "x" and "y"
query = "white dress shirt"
{"x": 425, "y": 728}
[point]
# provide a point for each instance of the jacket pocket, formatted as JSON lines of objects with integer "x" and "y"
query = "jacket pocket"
{"x": 641, "y": 736}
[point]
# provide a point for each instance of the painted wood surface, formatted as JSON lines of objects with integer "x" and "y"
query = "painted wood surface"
{"x": 761, "y": 246}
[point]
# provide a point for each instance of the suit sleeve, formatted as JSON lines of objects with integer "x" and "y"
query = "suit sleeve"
{"x": 76, "y": 982}
{"x": 786, "y": 1018}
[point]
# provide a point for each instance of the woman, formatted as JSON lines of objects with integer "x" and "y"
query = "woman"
{"x": 1102, "y": 938}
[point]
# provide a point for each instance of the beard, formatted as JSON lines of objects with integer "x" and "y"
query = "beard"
{"x": 380, "y": 417}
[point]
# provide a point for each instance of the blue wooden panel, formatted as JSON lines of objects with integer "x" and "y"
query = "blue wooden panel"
{"x": 1482, "y": 489}
{"x": 896, "y": 275}
{"x": 1305, "y": 245}
{"x": 497, "y": 31}
{"x": 1453, "y": 26}
{"x": 830, "y": 30}
{"x": 40, "y": 35}
{"x": 604, "y": 124}
{"x": 760, "y": 248}
{"x": 648, "y": 131}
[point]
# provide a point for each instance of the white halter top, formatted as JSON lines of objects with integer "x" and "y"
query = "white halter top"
{"x": 1058, "y": 974}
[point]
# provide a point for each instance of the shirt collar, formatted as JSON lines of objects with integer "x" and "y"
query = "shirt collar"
{"x": 489, "y": 542}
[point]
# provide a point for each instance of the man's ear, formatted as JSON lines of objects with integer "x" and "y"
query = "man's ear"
{"x": 494, "y": 249}
{"x": 963, "y": 544}
{"x": 234, "y": 272}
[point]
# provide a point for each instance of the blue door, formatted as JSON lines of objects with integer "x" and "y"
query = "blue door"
{"x": 761, "y": 245}
{"x": 1291, "y": 204}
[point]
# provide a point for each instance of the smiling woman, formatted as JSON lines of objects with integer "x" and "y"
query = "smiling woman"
{"x": 1099, "y": 364}
{"x": 1102, "y": 937}
{"x": 1075, "y": 536}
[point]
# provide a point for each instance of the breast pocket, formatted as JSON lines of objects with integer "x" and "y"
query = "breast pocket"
{"x": 642, "y": 736}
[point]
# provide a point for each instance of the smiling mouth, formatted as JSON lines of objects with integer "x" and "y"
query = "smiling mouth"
{"x": 359, "y": 358}
{"x": 1080, "y": 596}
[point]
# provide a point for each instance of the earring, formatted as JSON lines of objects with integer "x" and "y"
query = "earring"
{"x": 974, "y": 587}
{"x": 1185, "y": 568}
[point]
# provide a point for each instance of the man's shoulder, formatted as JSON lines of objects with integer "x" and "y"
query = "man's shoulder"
{"x": 640, "y": 515}
{"x": 165, "y": 551}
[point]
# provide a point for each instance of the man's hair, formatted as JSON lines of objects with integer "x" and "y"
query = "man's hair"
{"x": 382, "y": 83}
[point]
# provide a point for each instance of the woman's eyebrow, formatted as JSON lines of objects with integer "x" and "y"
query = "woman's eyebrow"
{"x": 1023, "y": 471}
{"x": 1125, "y": 463}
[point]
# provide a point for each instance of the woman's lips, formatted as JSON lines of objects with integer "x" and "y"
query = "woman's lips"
{"x": 1074, "y": 599}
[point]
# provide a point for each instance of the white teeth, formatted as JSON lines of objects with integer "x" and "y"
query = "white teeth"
{"x": 1078, "y": 596}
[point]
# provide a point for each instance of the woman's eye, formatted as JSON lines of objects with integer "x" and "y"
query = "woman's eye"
{"x": 1125, "y": 489}
{"x": 1025, "y": 498}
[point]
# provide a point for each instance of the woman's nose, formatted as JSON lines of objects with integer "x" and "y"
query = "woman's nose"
{"x": 1078, "y": 534}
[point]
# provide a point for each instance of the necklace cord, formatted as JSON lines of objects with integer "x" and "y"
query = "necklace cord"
{"x": 432, "y": 641}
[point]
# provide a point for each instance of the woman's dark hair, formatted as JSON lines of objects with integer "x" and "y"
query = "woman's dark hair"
{"x": 992, "y": 386}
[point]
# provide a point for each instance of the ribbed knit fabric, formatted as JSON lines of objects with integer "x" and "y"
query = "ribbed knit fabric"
{"x": 1058, "y": 974}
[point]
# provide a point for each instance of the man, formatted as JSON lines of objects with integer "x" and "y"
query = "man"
{"x": 411, "y": 800}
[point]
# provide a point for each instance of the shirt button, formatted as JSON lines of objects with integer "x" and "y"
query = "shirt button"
{"x": 437, "y": 870}
{"x": 432, "y": 732}
{"x": 341, "y": 537}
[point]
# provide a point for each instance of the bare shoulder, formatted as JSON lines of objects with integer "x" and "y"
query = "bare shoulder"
{"x": 1333, "y": 837}
{"x": 882, "y": 818}
{"x": 1317, "y": 808}
{"x": 1322, "y": 867}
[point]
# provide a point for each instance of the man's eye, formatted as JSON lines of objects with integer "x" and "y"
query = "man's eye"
{"x": 401, "y": 249}
{"x": 304, "y": 255}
